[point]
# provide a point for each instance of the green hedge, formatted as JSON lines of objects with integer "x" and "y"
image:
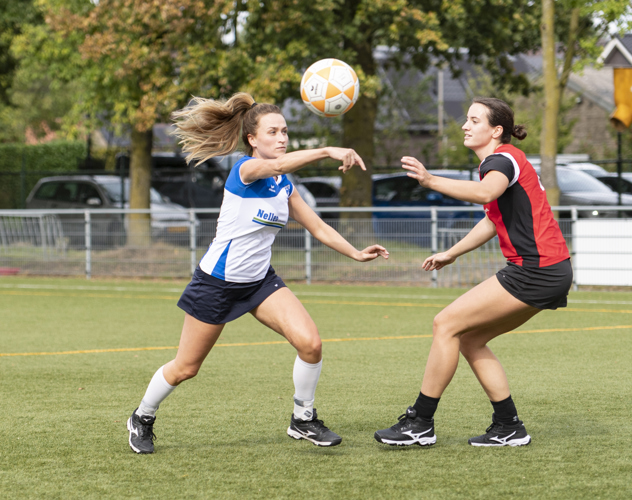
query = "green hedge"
{"x": 37, "y": 161}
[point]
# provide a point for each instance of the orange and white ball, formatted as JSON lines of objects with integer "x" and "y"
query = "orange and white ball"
{"x": 330, "y": 87}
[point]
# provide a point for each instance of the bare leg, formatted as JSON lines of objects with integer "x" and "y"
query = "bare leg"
{"x": 482, "y": 360}
{"x": 284, "y": 313}
{"x": 487, "y": 307}
{"x": 196, "y": 341}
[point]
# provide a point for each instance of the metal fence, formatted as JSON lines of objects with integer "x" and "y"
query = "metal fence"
{"x": 103, "y": 243}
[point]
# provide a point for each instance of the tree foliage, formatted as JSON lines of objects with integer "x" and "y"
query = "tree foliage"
{"x": 286, "y": 36}
{"x": 570, "y": 32}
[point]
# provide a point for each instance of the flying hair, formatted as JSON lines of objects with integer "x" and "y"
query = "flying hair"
{"x": 209, "y": 127}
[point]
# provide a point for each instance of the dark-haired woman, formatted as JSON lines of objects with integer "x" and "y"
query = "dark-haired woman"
{"x": 235, "y": 276}
{"x": 538, "y": 276}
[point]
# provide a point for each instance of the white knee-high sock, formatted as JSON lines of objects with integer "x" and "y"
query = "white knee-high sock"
{"x": 157, "y": 392}
{"x": 306, "y": 377}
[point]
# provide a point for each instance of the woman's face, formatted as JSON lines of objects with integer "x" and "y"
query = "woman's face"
{"x": 478, "y": 132}
{"x": 270, "y": 140}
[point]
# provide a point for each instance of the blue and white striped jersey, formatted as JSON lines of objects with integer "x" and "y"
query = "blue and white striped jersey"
{"x": 250, "y": 217}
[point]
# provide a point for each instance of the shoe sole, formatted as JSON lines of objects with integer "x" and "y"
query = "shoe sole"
{"x": 297, "y": 435}
{"x": 428, "y": 441}
{"x": 134, "y": 449}
{"x": 516, "y": 442}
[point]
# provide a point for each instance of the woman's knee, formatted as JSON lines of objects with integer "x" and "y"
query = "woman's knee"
{"x": 310, "y": 346}
{"x": 442, "y": 328}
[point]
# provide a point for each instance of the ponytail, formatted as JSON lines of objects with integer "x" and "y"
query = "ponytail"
{"x": 519, "y": 132}
{"x": 211, "y": 128}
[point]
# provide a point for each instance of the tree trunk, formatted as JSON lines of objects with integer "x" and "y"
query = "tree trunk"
{"x": 358, "y": 132}
{"x": 548, "y": 142}
{"x": 140, "y": 182}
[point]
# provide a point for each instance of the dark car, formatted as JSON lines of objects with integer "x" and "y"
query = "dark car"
{"x": 199, "y": 185}
{"x": 169, "y": 221}
{"x": 611, "y": 180}
{"x": 579, "y": 188}
{"x": 326, "y": 192}
{"x": 399, "y": 190}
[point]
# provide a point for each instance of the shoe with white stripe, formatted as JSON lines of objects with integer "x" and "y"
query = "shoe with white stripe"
{"x": 313, "y": 430}
{"x": 499, "y": 434}
{"x": 141, "y": 433}
{"x": 410, "y": 430}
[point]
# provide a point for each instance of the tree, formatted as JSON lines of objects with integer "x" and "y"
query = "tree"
{"x": 528, "y": 111}
{"x": 286, "y": 36}
{"x": 14, "y": 118}
{"x": 137, "y": 61}
{"x": 571, "y": 31}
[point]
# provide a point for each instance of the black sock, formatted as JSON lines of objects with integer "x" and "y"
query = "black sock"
{"x": 505, "y": 411}
{"x": 426, "y": 406}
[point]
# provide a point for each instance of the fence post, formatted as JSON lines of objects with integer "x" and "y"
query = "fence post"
{"x": 434, "y": 241}
{"x": 88, "y": 235}
{"x": 574, "y": 243}
{"x": 23, "y": 181}
{"x": 43, "y": 235}
{"x": 192, "y": 241}
{"x": 308, "y": 257}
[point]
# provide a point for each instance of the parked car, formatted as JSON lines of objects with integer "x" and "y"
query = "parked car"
{"x": 568, "y": 162}
{"x": 326, "y": 192}
{"x": 611, "y": 180}
{"x": 399, "y": 190}
{"x": 202, "y": 185}
{"x": 579, "y": 188}
{"x": 168, "y": 220}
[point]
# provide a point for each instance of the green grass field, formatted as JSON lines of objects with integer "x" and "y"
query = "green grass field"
{"x": 222, "y": 435}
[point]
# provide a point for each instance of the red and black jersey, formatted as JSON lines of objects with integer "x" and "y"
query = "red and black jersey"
{"x": 528, "y": 233}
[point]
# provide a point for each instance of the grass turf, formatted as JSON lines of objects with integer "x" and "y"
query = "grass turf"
{"x": 222, "y": 434}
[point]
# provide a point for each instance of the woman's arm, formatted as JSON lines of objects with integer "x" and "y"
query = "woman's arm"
{"x": 257, "y": 168}
{"x": 489, "y": 189}
{"x": 306, "y": 217}
{"x": 479, "y": 235}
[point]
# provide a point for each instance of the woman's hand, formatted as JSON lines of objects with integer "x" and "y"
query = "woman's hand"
{"x": 437, "y": 261}
{"x": 416, "y": 170}
{"x": 370, "y": 253}
{"x": 348, "y": 157}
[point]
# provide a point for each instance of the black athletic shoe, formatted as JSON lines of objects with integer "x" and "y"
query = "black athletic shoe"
{"x": 410, "y": 430}
{"x": 499, "y": 434}
{"x": 313, "y": 430}
{"x": 141, "y": 433}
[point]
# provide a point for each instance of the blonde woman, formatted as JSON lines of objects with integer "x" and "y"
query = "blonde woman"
{"x": 235, "y": 276}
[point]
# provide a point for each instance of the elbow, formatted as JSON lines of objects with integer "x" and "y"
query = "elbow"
{"x": 486, "y": 197}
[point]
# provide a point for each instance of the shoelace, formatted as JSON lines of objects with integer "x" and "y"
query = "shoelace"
{"x": 402, "y": 420}
{"x": 147, "y": 430}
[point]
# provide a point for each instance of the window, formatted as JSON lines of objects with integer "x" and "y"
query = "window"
{"x": 321, "y": 189}
{"x": 87, "y": 191}
{"x": 47, "y": 191}
{"x": 66, "y": 191}
{"x": 400, "y": 189}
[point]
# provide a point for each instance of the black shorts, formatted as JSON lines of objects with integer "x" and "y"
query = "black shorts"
{"x": 541, "y": 287}
{"x": 215, "y": 301}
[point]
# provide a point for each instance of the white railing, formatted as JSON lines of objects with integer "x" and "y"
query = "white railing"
{"x": 97, "y": 243}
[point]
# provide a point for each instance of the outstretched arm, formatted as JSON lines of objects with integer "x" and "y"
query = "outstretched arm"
{"x": 490, "y": 188}
{"x": 306, "y": 217}
{"x": 479, "y": 235}
{"x": 257, "y": 168}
